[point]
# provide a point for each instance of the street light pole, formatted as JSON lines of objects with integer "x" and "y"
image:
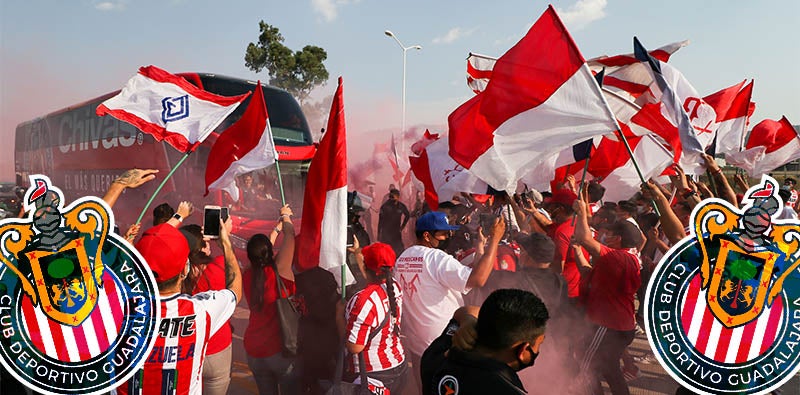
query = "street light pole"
{"x": 403, "y": 119}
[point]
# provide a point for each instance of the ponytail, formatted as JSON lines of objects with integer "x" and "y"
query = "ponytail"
{"x": 393, "y": 310}
{"x": 259, "y": 252}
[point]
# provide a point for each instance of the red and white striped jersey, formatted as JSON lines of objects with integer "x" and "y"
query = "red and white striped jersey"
{"x": 175, "y": 365}
{"x": 365, "y": 312}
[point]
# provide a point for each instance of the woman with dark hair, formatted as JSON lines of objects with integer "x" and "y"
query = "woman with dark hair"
{"x": 262, "y": 338}
{"x": 207, "y": 273}
{"x": 373, "y": 319}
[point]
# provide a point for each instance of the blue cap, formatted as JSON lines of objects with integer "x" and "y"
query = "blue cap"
{"x": 434, "y": 220}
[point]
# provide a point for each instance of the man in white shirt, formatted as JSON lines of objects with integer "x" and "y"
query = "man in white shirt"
{"x": 434, "y": 282}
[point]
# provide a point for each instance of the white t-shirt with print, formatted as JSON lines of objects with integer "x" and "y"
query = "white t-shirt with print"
{"x": 433, "y": 284}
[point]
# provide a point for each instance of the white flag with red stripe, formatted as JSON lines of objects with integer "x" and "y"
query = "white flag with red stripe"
{"x": 541, "y": 98}
{"x": 479, "y": 71}
{"x": 245, "y": 146}
{"x": 732, "y": 106}
{"x": 169, "y": 108}
{"x": 441, "y": 175}
{"x": 771, "y": 144}
{"x": 323, "y": 238}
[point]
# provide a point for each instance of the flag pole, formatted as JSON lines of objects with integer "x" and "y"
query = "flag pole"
{"x": 580, "y": 188}
{"x": 280, "y": 180}
{"x": 622, "y": 136}
{"x": 344, "y": 282}
{"x": 160, "y": 186}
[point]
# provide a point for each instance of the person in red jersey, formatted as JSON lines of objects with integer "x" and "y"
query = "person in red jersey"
{"x": 373, "y": 320}
{"x": 175, "y": 364}
{"x": 610, "y": 283}
{"x": 262, "y": 337}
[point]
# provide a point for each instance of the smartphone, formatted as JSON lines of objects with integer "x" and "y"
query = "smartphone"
{"x": 350, "y": 236}
{"x": 211, "y": 217}
{"x": 487, "y": 220}
{"x": 223, "y": 214}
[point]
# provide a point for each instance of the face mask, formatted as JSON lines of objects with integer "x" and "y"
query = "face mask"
{"x": 524, "y": 365}
{"x": 641, "y": 209}
{"x": 443, "y": 244}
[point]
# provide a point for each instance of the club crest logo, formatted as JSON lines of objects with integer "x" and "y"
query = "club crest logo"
{"x": 723, "y": 305}
{"x": 78, "y": 307}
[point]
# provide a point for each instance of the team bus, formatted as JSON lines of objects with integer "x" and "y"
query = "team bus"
{"x": 83, "y": 153}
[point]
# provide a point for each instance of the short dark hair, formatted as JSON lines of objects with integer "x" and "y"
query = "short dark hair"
{"x": 648, "y": 220}
{"x": 785, "y": 195}
{"x": 790, "y": 179}
{"x": 595, "y": 192}
{"x": 508, "y": 316}
{"x": 394, "y": 192}
{"x": 630, "y": 234}
{"x": 606, "y": 213}
{"x": 162, "y": 213}
{"x": 627, "y": 206}
{"x": 538, "y": 246}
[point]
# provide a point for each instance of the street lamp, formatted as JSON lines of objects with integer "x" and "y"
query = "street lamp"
{"x": 403, "y": 119}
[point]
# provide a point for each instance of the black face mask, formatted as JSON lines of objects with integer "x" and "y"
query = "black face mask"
{"x": 523, "y": 365}
{"x": 443, "y": 244}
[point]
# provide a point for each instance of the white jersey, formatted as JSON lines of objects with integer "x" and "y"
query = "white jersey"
{"x": 175, "y": 366}
{"x": 433, "y": 284}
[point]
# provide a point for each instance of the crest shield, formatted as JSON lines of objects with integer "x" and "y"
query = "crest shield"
{"x": 64, "y": 281}
{"x": 740, "y": 283}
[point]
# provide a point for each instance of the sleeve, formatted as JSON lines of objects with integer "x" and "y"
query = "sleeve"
{"x": 562, "y": 246}
{"x": 219, "y": 305}
{"x": 434, "y": 355}
{"x": 361, "y": 317}
{"x": 449, "y": 272}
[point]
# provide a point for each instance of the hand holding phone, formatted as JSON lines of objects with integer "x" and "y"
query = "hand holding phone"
{"x": 211, "y": 221}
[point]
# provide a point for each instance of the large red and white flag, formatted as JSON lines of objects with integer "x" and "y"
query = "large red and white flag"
{"x": 541, "y": 99}
{"x": 169, "y": 108}
{"x": 441, "y": 175}
{"x": 771, "y": 144}
{"x": 732, "y": 106}
{"x": 245, "y": 146}
{"x": 323, "y": 239}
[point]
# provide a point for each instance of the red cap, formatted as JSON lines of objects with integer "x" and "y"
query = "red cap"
{"x": 378, "y": 255}
{"x": 165, "y": 250}
{"x": 563, "y": 196}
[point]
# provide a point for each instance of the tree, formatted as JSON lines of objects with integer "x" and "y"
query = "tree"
{"x": 298, "y": 72}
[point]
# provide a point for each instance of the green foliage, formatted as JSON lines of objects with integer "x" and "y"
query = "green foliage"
{"x": 298, "y": 72}
{"x": 741, "y": 269}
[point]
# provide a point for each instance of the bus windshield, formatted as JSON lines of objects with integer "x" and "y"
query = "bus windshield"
{"x": 289, "y": 126}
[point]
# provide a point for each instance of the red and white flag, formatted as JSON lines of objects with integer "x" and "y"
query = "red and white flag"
{"x": 169, "y": 108}
{"x": 732, "y": 106}
{"x": 425, "y": 141}
{"x": 479, "y": 71}
{"x": 612, "y": 164}
{"x": 771, "y": 144}
{"x": 541, "y": 98}
{"x": 322, "y": 241}
{"x": 245, "y": 146}
{"x": 442, "y": 176}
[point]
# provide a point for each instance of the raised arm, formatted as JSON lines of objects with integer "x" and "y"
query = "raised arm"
{"x": 233, "y": 274}
{"x": 483, "y": 268}
{"x": 284, "y": 257}
{"x": 132, "y": 178}
{"x": 582, "y": 233}
{"x": 724, "y": 189}
{"x": 670, "y": 223}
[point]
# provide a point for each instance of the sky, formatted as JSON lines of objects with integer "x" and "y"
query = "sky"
{"x": 57, "y": 53}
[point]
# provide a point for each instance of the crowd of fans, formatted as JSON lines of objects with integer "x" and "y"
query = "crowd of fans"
{"x": 491, "y": 284}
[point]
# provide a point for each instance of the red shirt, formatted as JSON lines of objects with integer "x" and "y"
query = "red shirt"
{"x": 213, "y": 279}
{"x": 262, "y": 338}
{"x": 365, "y": 311}
{"x": 612, "y": 284}
{"x": 561, "y": 235}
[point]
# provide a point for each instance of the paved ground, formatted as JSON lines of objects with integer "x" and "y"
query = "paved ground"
{"x": 654, "y": 379}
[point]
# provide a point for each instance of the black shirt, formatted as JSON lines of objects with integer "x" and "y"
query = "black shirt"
{"x": 464, "y": 372}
